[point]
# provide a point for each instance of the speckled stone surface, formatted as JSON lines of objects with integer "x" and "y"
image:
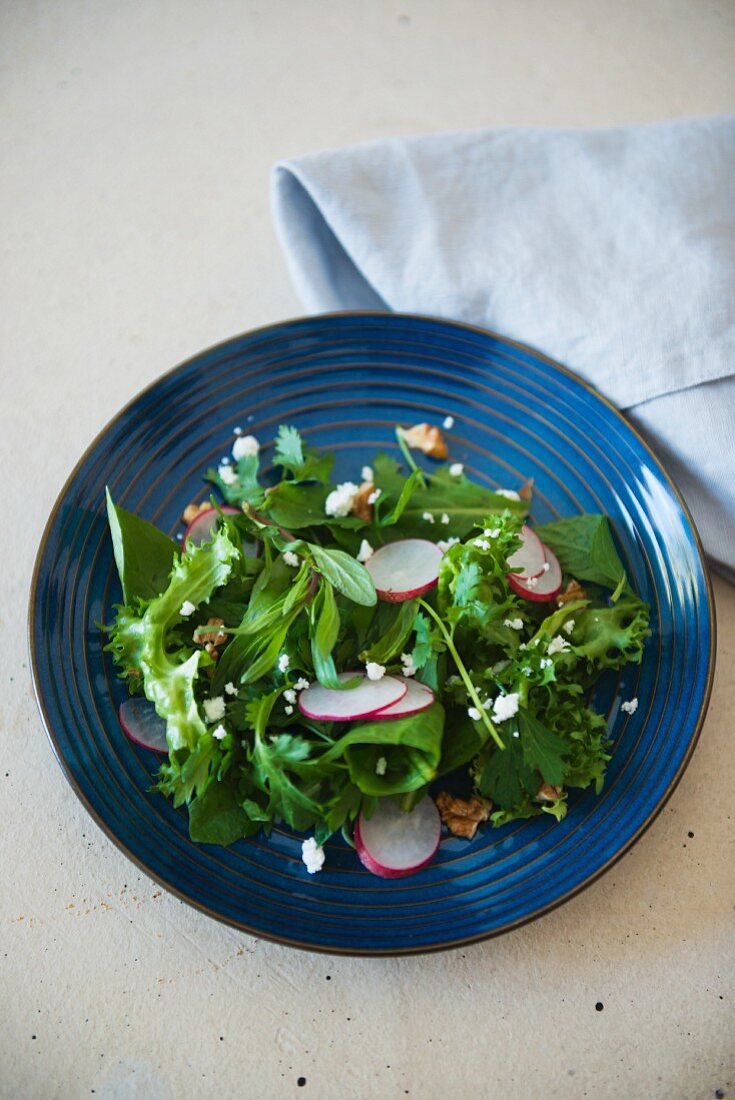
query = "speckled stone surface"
{"x": 138, "y": 138}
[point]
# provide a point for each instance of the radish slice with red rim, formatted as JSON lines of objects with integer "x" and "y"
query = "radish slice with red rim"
{"x": 142, "y": 725}
{"x": 418, "y": 697}
{"x": 530, "y": 558}
{"x": 392, "y": 843}
{"x": 404, "y": 569}
{"x": 202, "y": 527}
{"x": 543, "y": 588}
{"x": 352, "y": 704}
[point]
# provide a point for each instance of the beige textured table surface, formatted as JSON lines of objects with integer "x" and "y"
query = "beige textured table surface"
{"x": 137, "y": 142}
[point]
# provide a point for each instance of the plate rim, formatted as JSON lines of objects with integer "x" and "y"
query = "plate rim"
{"x": 357, "y": 952}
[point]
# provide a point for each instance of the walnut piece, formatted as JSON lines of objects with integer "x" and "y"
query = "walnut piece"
{"x": 573, "y": 591}
{"x": 361, "y": 506}
{"x": 192, "y": 511}
{"x": 547, "y": 793}
{"x": 462, "y": 815}
{"x": 214, "y": 637}
{"x": 426, "y": 438}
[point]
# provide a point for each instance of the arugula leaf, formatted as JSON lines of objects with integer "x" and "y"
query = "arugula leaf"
{"x": 144, "y": 555}
{"x": 542, "y": 749}
{"x": 585, "y": 548}
{"x": 348, "y": 576}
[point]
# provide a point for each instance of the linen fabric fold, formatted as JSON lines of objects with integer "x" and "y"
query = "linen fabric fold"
{"x": 611, "y": 250}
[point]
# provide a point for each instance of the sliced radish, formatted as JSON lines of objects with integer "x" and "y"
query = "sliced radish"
{"x": 392, "y": 843}
{"x": 404, "y": 569}
{"x": 364, "y": 701}
{"x": 529, "y": 559}
{"x": 418, "y": 697}
{"x": 546, "y": 586}
{"x": 140, "y": 722}
{"x": 201, "y": 527}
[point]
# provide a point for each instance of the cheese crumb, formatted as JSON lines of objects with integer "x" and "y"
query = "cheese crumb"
{"x": 227, "y": 475}
{"x": 312, "y": 855}
{"x": 366, "y": 474}
{"x": 374, "y": 496}
{"x": 630, "y": 707}
{"x": 214, "y": 709}
{"x": 531, "y": 582}
{"x": 482, "y": 544}
{"x": 409, "y": 668}
{"x": 340, "y": 500}
{"x": 237, "y": 431}
{"x": 219, "y": 732}
{"x": 505, "y": 707}
{"x": 283, "y": 662}
{"x": 448, "y": 423}
{"x": 291, "y": 559}
{"x": 456, "y": 469}
{"x": 568, "y": 626}
{"x": 428, "y": 517}
{"x": 374, "y": 670}
{"x": 381, "y": 765}
{"x": 445, "y": 518}
{"x": 365, "y": 552}
{"x": 445, "y": 544}
{"x": 557, "y": 645}
{"x": 509, "y": 494}
{"x": 474, "y": 714}
{"x": 230, "y": 688}
{"x": 187, "y": 608}
{"x": 245, "y": 446}
{"x": 288, "y": 709}
{"x": 301, "y": 684}
{"x": 514, "y": 624}
{"x": 289, "y": 695}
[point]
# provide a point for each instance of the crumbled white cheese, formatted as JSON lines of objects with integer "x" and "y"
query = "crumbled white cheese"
{"x": 227, "y": 475}
{"x": 291, "y": 559}
{"x": 545, "y": 662}
{"x": 527, "y": 670}
{"x": 630, "y": 707}
{"x": 428, "y": 517}
{"x": 187, "y": 608}
{"x": 445, "y": 518}
{"x": 568, "y": 626}
{"x": 444, "y": 544}
{"x": 301, "y": 684}
{"x": 557, "y": 645}
{"x": 230, "y": 688}
{"x": 237, "y": 431}
{"x": 474, "y": 714}
{"x": 491, "y": 532}
{"x": 244, "y": 446}
{"x": 482, "y": 544}
{"x": 516, "y": 733}
{"x": 312, "y": 855}
{"x": 367, "y": 473}
{"x": 448, "y": 423}
{"x": 214, "y": 709}
{"x": 374, "y": 496}
{"x": 289, "y": 695}
{"x": 365, "y": 552}
{"x": 531, "y": 582}
{"x": 409, "y": 668}
{"x": 505, "y": 707}
{"x": 283, "y": 662}
{"x": 456, "y": 469}
{"x": 514, "y": 624}
{"x": 288, "y": 709}
{"x": 374, "y": 670}
{"x": 509, "y": 494}
{"x": 340, "y": 500}
{"x": 545, "y": 567}
{"x": 219, "y": 732}
{"x": 225, "y": 461}
{"x": 179, "y": 536}
{"x": 381, "y": 765}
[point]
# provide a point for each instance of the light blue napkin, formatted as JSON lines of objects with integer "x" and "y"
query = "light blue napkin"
{"x": 611, "y": 250}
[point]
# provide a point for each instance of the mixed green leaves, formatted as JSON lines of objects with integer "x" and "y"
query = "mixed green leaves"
{"x": 512, "y": 678}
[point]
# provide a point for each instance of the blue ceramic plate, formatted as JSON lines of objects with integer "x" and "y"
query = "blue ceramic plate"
{"x": 345, "y": 380}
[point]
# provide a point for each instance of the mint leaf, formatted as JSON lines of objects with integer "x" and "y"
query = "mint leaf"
{"x": 348, "y": 576}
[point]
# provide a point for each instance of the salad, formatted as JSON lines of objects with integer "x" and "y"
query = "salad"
{"x": 376, "y": 657}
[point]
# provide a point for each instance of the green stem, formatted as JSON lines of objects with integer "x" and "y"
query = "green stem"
{"x": 409, "y": 457}
{"x": 463, "y": 673}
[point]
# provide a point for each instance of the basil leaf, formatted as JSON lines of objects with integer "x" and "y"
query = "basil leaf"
{"x": 585, "y": 548}
{"x": 144, "y": 555}
{"x": 348, "y": 576}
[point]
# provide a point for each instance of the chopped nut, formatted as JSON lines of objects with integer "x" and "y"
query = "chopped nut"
{"x": 573, "y": 591}
{"x": 426, "y": 438}
{"x": 214, "y": 636}
{"x": 361, "y": 507}
{"x": 192, "y": 511}
{"x": 547, "y": 793}
{"x": 212, "y": 651}
{"x": 526, "y": 490}
{"x": 463, "y": 815}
